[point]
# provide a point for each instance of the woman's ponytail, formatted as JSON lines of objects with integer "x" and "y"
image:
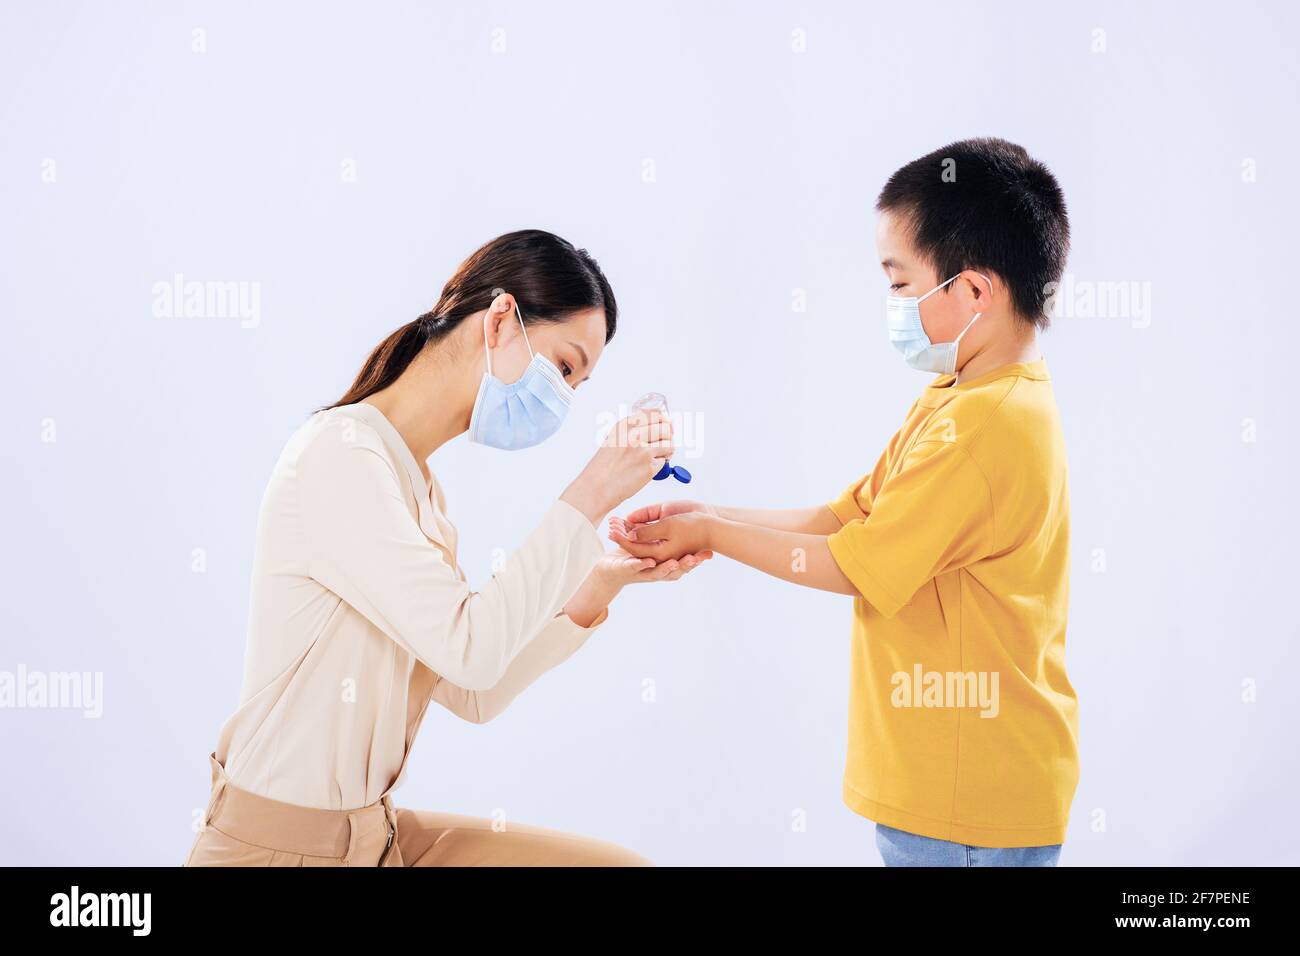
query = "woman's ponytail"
{"x": 549, "y": 278}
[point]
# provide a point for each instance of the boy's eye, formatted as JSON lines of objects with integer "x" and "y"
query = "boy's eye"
{"x": 894, "y": 287}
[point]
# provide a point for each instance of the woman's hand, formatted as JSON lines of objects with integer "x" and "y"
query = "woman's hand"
{"x": 620, "y": 568}
{"x": 630, "y": 455}
{"x": 617, "y": 569}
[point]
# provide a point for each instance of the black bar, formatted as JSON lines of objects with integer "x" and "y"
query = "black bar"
{"x": 214, "y": 906}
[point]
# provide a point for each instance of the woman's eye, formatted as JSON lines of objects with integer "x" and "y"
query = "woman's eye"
{"x": 566, "y": 368}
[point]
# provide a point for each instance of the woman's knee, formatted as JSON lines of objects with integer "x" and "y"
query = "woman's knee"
{"x": 614, "y": 855}
{"x": 433, "y": 839}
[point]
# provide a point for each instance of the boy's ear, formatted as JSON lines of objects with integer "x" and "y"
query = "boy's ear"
{"x": 984, "y": 289}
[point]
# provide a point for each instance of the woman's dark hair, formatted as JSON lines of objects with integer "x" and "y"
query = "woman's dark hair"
{"x": 547, "y": 275}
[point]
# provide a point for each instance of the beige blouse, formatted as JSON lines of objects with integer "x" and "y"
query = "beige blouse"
{"x": 360, "y": 615}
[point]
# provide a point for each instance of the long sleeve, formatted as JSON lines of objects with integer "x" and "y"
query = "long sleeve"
{"x": 366, "y": 546}
{"x": 555, "y": 644}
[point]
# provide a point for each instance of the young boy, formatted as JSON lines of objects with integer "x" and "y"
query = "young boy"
{"x": 963, "y": 725}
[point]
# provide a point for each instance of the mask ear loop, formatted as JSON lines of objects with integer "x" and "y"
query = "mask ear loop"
{"x": 977, "y": 314}
{"x": 524, "y": 329}
{"x": 957, "y": 340}
{"x": 487, "y": 349}
{"x": 935, "y": 289}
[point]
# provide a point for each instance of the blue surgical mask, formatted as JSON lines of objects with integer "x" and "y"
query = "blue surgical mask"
{"x": 522, "y": 413}
{"x": 908, "y": 334}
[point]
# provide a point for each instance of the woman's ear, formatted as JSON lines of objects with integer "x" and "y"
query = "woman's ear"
{"x": 500, "y": 309}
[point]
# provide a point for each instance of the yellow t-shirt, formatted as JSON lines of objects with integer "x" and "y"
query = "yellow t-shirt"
{"x": 962, "y": 723}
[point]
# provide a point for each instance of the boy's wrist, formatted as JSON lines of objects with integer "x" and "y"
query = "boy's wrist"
{"x": 713, "y": 530}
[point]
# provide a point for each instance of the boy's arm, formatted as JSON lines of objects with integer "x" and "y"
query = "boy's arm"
{"x": 934, "y": 514}
{"x": 794, "y": 556}
{"x": 818, "y": 519}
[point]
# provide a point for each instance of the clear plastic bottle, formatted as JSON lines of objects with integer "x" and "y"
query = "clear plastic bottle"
{"x": 654, "y": 401}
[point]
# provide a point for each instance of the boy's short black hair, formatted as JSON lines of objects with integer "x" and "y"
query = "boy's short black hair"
{"x": 986, "y": 203}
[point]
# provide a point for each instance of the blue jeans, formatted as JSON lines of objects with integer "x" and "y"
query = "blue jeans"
{"x": 900, "y": 848}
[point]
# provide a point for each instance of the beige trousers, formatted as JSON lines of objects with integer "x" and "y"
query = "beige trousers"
{"x": 241, "y": 828}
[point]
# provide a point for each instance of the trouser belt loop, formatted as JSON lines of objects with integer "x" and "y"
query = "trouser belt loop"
{"x": 219, "y": 781}
{"x": 352, "y": 835}
{"x": 390, "y": 813}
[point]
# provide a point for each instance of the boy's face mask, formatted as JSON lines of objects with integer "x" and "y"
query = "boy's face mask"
{"x": 903, "y": 313}
{"x": 523, "y": 413}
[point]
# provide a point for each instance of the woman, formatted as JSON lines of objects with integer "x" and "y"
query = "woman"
{"x": 360, "y": 615}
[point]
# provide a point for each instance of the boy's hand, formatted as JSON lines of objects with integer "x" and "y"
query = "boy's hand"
{"x": 674, "y": 537}
{"x": 665, "y": 509}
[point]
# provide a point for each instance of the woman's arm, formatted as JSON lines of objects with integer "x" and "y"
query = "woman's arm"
{"x": 365, "y": 547}
{"x": 567, "y": 632}
{"x": 554, "y": 645}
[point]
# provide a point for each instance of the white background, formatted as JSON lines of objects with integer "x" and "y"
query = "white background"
{"x": 226, "y": 165}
